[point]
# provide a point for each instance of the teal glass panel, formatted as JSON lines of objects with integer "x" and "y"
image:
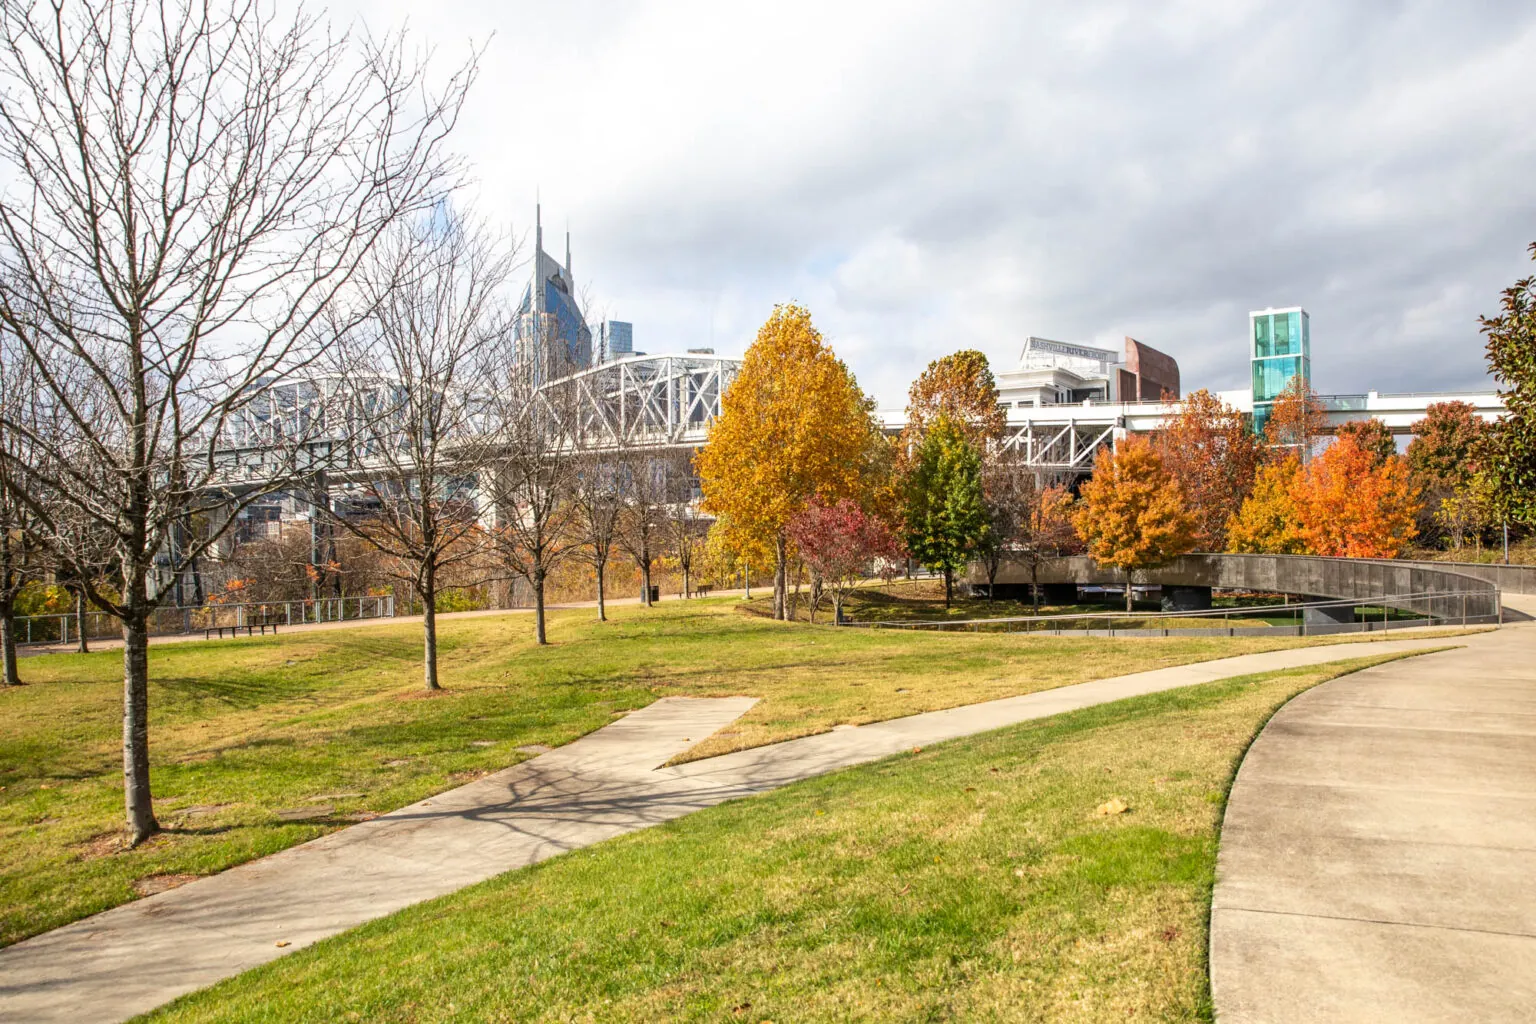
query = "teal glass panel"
{"x": 1261, "y": 336}
{"x": 1270, "y": 376}
{"x": 1306, "y": 339}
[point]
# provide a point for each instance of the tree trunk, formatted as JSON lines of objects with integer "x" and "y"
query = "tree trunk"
{"x": 1130, "y": 593}
{"x": 949, "y": 587}
{"x": 645, "y": 582}
{"x": 538, "y": 609}
{"x": 1034, "y": 584}
{"x": 429, "y": 632}
{"x": 602, "y": 612}
{"x": 746, "y": 584}
{"x": 780, "y": 567}
{"x": 83, "y": 646}
{"x": 687, "y": 593}
{"x": 8, "y": 646}
{"x": 992, "y": 568}
{"x": 136, "y": 792}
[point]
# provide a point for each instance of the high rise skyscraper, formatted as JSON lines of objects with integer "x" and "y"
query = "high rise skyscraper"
{"x": 621, "y": 339}
{"x": 552, "y": 335}
{"x": 1280, "y": 349}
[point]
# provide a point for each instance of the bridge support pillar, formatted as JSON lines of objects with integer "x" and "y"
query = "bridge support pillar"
{"x": 1186, "y": 599}
{"x": 1337, "y": 615}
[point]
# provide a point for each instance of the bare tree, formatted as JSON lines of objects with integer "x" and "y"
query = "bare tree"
{"x": 642, "y": 529}
{"x": 686, "y": 527}
{"x": 192, "y": 184}
{"x": 599, "y": 494}
{"x": 19, "y": 554}
{"x": 531, "y": 480}
{"x": 1007, "y": 488}
{"x": 409, "y": 380}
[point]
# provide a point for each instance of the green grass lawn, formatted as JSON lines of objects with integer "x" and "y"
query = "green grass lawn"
{"x": 263, "y": 743}
{"x": 973, "y": 880}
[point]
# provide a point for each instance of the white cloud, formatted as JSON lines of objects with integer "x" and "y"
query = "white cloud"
{"x": 932, "y": 176}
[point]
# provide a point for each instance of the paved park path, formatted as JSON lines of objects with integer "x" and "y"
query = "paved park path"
{"x": 140, "y": 955}
{"x": 1378, "y": 859}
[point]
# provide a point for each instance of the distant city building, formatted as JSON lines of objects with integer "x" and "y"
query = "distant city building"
{"x": 1060, "y": 372}
{"x": 618, "y": 340}
{"x": 551, "y": 334}
{"x": 1280, "y": 348}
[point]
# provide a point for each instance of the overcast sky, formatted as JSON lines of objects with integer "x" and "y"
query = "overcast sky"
{"x": 927, "y": 177}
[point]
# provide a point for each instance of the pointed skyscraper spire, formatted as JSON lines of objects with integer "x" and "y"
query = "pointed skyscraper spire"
{"x": 568, "y": 274}
{"x": 538, "y": 227}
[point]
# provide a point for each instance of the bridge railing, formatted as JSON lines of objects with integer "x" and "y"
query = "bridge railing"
{"x": 65, "y": 628}
{"x": 1310, "y": 618}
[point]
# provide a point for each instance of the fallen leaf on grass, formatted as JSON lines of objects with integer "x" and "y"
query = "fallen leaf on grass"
{"x": 1113, "y": 805}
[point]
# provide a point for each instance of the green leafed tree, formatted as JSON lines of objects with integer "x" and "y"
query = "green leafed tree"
{"x": 945, "y": 514}
{"x": 1509, "y": 449}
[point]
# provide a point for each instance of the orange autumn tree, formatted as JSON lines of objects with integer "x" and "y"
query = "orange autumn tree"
{"x": 1132, "y": 514}
{"x": 961, "y": 387}
{"x": 1209, "y": 450}
{"x": 1297, "y": 421}
{"x": 1267, "y": 522}
{"x": 793, "y": 425}
{"x": 1349, "y": 504}
{"x": 1371, "y": 434}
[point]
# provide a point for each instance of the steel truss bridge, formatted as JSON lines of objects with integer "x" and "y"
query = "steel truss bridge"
{"x": 667, "y": 402}
{"x": 652, "y": 402}
{"x": 1066, "y": 438}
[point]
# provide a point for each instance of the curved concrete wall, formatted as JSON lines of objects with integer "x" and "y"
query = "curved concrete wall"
{"x": 1511, "y": 579}
{"x": 1345, "y": 578}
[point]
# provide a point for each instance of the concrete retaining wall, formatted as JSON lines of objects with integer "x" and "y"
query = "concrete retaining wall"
{"x": 1346, "y": 578}
{"x": 1510, "y": 579}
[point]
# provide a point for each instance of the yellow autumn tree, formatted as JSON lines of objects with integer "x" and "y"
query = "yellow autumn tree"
{"x": 793, "y": 425}
{"x": 1132, "y": 514}
{"x": 1269, "y": 522}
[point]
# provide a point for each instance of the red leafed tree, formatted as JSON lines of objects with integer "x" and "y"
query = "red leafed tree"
{"x": 838, "y": 542}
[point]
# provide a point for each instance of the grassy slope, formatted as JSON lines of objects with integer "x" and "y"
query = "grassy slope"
{"x": 970, "y": 881}
{"x": 244, "y": 729}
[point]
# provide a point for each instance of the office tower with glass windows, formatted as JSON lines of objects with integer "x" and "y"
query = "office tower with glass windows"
{"x": 619, "y": 339}
{"x": 1280, "y": 347}
{"x": 551, "y": 334}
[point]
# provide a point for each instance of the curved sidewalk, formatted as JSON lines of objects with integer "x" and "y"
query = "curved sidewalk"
{"x": 137, "y": 956}
{"x": 1378, "y": 858}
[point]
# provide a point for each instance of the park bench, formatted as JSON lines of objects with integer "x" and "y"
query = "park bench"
{"x": 701, "y": 591}
{"x": 249, "y": 629}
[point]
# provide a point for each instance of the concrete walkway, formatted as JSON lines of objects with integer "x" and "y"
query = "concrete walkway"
{"x": 1378, "y": 860}
{"x": 136, "y": 957}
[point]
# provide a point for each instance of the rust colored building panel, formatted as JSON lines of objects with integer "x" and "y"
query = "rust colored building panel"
{"x": 1156, "y": 372}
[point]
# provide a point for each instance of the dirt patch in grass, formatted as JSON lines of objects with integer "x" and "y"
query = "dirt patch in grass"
{"x": 104, "y": 845}
{"x": 152, "y": 884}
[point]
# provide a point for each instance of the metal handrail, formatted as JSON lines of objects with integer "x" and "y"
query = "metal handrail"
{"x": 61, "y": 628}
{"x": 1464, "y": 615}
